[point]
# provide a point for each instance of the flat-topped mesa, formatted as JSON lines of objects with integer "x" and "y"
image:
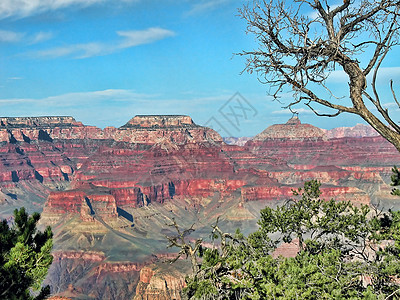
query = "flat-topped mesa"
{"x": 42, "y": 122}
{"x": 160, "y": 121}
{"x": 46, "y": 128}
{"x": 292, "y": 130}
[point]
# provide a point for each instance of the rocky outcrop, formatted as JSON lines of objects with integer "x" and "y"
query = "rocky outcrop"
{"x": 86, "y": 202}
{"x": 31, "y": 122}
{"x": 156, "y": 121}
{"x": 30, "y": 129}
{"x": 79, "y": 274}
{"x": 359, "y": 131}
{"x": 369, "y": 151}
{"x": 161, "y": 282}
{"x": 140, "y": 129}
{"x": 292, "y": 130}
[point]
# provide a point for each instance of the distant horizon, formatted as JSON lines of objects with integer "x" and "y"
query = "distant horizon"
{"x": 104, "y": 61}
{"x": 174, "y": 115}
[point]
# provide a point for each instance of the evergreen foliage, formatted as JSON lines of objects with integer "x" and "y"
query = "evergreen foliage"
{"x": 24, "y": 257}
{"x": 344, "y": 252}
{"x": 395, "y": 181}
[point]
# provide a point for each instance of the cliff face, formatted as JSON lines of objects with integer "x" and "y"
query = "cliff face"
{"x": 160, "y": 282}
{"x": 88, "y": 274}
{"x": 140, "y": 129}
{"x": 292, "y": 130}
{"x": 166, "y": 121}
{"x": 359, "y": 131}
{"x": 368, "y": 152}
{"x": 109, "y": 193}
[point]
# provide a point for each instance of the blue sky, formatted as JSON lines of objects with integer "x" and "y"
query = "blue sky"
{"x": 104, "y": 61}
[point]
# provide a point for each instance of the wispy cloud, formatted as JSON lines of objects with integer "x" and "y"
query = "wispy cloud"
{"x": 91, "y": 107}
{"x": 384, "y": 75}
{"x": 206, "y": 5}
{"x": 24, "y": 8}
{"x": 41, "y": 37}
{"x": 7, "y": 36}
{"x": 114, "y": 106}
{"x": 392, "y": 106}
{"x": 127, "y": 39}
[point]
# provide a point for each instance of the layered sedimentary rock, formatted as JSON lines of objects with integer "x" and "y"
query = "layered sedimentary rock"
{"x": 359, "y": 131}
{"x": 87, "y": 202}
{"x": 29, "y": 129}
{"x": 140, "y": 129}
{"x": 369, "y": 151}
{"x": 174, "y": 129}
{"x": 156, "y": 121}
{"x": 98, "y": 278}
{"x": 161, "y": 283}
{"x": 292, "y": 130}
{"x": 110, "y": 193}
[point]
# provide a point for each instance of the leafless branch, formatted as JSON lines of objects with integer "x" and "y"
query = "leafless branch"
{"x": 394, "y": 94}
{"x": 186, "y": 247}
{"x": 299, "y": 52}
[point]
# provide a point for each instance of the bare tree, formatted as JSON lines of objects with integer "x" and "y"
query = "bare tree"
{"x": 302, "y": 43}
{"x": 186, "y": 247}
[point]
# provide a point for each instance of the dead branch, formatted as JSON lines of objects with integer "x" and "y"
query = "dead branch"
{"x": 300, "y": 52}
{"x": 186, "y": 247}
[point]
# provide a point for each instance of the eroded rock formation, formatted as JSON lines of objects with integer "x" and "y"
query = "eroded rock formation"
{"x": 110, "y": 193}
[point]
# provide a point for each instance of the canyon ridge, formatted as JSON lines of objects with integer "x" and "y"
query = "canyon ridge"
{"x": 109, "y": 194}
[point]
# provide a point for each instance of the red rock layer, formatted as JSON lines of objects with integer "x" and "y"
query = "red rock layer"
{"x": 79, "y": 274}
{"x": 171, "y": 161}
{"x": 87, "y": 202}
{"x": 360, "y": 130}
{"x": 157, "y": 284}
{"x": 292, "y": 130}
{"x": 149, "y": 121}
{"x": 369, "y": 151}
{"x": 141, "y": 129}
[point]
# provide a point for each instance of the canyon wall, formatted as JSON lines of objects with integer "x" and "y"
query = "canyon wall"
{"x": 110, "y": 193}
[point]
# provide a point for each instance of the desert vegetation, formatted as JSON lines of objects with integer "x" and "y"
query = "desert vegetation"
{"x": 25, "y": 257}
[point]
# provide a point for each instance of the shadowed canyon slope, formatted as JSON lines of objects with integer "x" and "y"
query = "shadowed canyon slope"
{"x": 109, "y": 194}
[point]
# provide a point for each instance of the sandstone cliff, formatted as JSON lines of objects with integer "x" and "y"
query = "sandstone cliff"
{"x": 110, "y": 193}
{"x": 292, "y": 130}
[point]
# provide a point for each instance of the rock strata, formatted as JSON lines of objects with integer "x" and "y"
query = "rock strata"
{"x": 109, "y": 193}
{"x": 292, "y": 130}
{"x": 166, "y": 121}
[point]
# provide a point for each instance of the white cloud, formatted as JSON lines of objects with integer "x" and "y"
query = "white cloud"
{"x": 383, "y": 77}
{"x": 41, "y": 36}
{"x": 7, "y": 36}
{"x": 139, "y": 37}
{"x": 24, "y": 8}
{"x": 206, "y": 5}
{"x": 128, "y": 39}
{"x": 391, "y": 105}
{"x": 112, "y": 107}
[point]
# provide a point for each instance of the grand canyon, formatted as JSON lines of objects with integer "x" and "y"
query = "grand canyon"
{"x": 109, "y": 194}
